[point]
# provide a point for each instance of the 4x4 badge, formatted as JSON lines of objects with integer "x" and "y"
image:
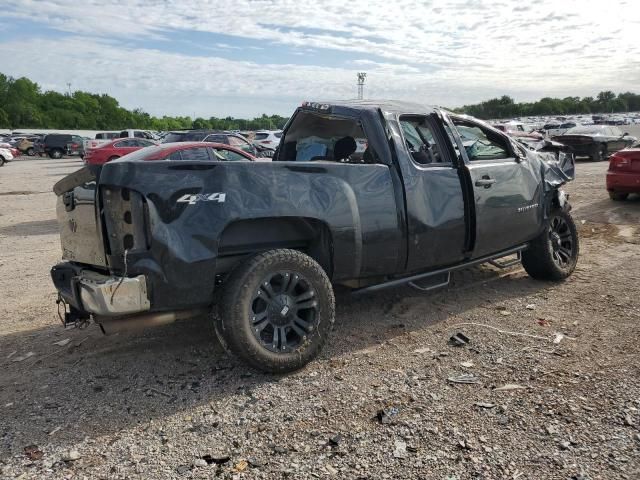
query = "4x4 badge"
{"x": 191, "y": 199}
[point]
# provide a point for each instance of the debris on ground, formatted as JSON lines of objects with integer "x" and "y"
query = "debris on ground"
{"x": 23, "y": 357}
{"x": 508, "y": 387}
{"x": 71, "y": 456}
{"x": 468, "y": 364}
{"x": 400, "y": 450}
{"x": 386, "y": 415}
{"x": 33, "y": 452}
{"x": 458, "y": 340}
{"x": 464, "y": 378}
{"x": 62, "y": 343}
{"x": 484, "y": 405}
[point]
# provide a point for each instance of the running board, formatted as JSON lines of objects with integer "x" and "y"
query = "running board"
{"x": 446, "y": 271}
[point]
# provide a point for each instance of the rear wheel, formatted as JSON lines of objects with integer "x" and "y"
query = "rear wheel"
{"x": 601, "y": 153}
{"x": 56, "y": 153}
{"x": 554, "y": 254}
{"x": 31, "y": 152}
{"x": 618, "y": 196}
{"x": 1, "y": 161}
{"x": 276, "y": 311}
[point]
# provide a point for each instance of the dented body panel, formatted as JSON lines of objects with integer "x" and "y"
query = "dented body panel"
{"x": 183, "y": 225}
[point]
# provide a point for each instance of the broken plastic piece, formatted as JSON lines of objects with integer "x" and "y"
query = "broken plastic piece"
{"x": 458, "y": 340}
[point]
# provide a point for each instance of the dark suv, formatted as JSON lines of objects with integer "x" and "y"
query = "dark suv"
{"x": 215, "y": 136}
{"x": 58, "y": 144}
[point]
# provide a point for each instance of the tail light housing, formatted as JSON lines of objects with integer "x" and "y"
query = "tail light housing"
{"x": 617, "y": 162}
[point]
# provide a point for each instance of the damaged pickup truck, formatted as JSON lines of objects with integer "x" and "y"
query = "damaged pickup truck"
{"x": 261, "y": 244}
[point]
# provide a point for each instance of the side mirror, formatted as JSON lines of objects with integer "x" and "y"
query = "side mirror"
{"x": 625, "y": 134}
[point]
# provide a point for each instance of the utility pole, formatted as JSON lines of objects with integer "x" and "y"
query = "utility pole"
{"x": 69, "y": 87}
{"x": 361, "y": 77}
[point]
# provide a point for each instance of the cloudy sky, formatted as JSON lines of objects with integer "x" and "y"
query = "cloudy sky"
{"x": 247, "y": 57}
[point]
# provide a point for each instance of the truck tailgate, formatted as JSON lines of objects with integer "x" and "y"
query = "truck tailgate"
{"x": 80, "y": 234}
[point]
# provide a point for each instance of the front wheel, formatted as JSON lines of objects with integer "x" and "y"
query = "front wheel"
{"x": 56, "y": 154}
{"x": 276, "y": 311}
{"x": 31, "y": 152}
{"x": 554, "y": 254}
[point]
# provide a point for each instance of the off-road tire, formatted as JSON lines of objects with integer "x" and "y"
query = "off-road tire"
{"x": 31, "y": 152}
{"x": 56, "y": 153}
{"x": 618, "y": 197}
{"x": 538, "y": 259}
{"x": 235, "y": 310}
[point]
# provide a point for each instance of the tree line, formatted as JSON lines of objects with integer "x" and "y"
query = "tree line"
{"x": 506, "y": 107}
{"x": 23, "y": 104}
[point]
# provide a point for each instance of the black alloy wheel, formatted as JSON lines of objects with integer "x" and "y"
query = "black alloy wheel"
{"x": 284, "y": 311}
{"x": 562, "y": 243}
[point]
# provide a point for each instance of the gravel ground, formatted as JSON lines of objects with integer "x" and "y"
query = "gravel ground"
{"x": 380, "y": 402}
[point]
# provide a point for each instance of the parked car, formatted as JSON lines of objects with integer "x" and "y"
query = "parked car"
{"x": 216, "y": 136}
{"x": 553, "y": 130}
{"x": 5, "y": 156}
{"x": 623, "y": 176}
{"x": 25, "y": 145}
{"x": 518, "y": 130}
{"x": 268, "y": 138}
{"x": 145, "y": 243}
{"x": 115, "y": 149}
{"x": 201, "y": 151}
{"x": 103, "y": 138}
{"x": 595, "y": 141}
{"x": 58, "y": 144}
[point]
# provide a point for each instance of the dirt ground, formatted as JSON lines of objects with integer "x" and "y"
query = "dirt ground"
{"x": 168, "y": 403}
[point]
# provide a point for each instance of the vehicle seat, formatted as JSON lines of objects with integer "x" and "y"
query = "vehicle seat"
{"x": 344, "y": 148}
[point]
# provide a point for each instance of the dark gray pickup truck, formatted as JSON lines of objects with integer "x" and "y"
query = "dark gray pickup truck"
{"x": 365, "y": 194}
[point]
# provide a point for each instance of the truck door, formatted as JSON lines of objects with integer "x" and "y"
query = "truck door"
{"x": 507, "y": 190}
{"x": 434, "y": 195}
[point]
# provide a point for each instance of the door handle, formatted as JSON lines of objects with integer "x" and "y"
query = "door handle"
{"x": 485, "y": 182}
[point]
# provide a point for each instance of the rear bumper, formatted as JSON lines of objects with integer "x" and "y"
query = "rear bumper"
{"x": 98, "y": 294}
{"x": 623, "y": 182}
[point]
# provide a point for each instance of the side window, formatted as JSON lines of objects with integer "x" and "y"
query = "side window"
{"x": 126, "y": 144}
{"x": 196, "y": 154}
{"x": 481, "y": 143}
{"x": 420, "y": 141}
{"x": 124, "y": 134}
{"x": 143, "y": 143}
{"x": 228, "y": 155}
{"x": 77, "y": 139}
{"x": 215, "y": 139}
{"x": 240, "y": 143}
{"x": 139, "y": 134}
{"x": 175, "y": 155}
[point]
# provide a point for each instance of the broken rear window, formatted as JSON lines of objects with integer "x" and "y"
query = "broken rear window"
{"x": 320, "y": 137}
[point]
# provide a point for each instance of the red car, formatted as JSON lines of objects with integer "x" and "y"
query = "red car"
{"x": 115, "y": 149}
{"x": 194, "y": 151}
{"x": 623, "y": 176}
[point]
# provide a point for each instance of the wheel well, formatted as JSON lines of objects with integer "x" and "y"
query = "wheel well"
{"x": 246, "y": 237}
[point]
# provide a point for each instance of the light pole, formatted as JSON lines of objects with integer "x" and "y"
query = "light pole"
{"x": 361, "y": 78}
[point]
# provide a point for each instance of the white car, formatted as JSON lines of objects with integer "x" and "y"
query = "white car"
{"x": 553, "y": 130}
{"x": 268, "y": 138}
{"x": 5, "y": 156}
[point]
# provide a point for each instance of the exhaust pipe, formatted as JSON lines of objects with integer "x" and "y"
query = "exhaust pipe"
{"x": 111, "y": 326}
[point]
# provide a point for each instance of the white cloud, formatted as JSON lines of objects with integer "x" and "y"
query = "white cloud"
{"x": 447, "y": 52}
